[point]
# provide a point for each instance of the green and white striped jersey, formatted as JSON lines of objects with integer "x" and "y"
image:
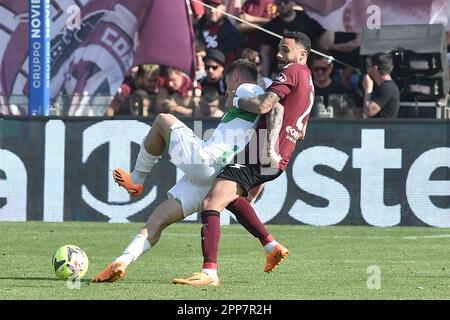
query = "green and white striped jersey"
{"x": 231, "y": 135}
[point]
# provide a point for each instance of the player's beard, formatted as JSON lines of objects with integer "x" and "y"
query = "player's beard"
{"x": 281, "y": 64}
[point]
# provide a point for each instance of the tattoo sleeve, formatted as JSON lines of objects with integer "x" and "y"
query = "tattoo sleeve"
{"x": 261, "y": 104}
{"x": 274, "y": 121}
{"x": 269, "y": 156}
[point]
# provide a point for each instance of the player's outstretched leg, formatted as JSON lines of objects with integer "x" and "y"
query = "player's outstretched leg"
{"x": 277, "y": 256}
{"x": 151, "y": 149}
{"x": 210, "y": 234}
{"x": 117, "y": 269}
{"x": 113, "y": 272}
{"x": 123, "y": 179}
{"x": 247, "y": 217}
{"x": 215, "y": 201}
{"x": 168, "y": 212}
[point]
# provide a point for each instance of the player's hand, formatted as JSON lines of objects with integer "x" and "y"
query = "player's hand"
{"x": 170, "y": 103}
{"x": 270, "y": 159}
{"x": 245, "y": 17}
{"x": 301, "y": 135}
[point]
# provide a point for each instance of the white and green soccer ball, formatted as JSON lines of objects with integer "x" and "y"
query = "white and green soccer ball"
{"x": 70, "y": 262}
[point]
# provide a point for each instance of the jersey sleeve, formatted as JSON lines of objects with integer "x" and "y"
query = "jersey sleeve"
{"x": 284, "y": 83}
{"x": 381, "y": 96}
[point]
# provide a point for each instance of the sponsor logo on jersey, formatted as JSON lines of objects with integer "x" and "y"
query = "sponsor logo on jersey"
{"x": 293, "y": 135}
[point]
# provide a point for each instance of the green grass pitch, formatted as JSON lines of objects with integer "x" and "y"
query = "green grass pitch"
{"x": 324, "y": 263}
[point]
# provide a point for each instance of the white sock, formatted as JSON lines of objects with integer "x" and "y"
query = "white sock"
{"x": 144, "y": 165}
{"x": 270, "y": 246}
{"x": 211, "y": 272}
{"x": 138, "y": 177}
{"x": 137, "y": 246}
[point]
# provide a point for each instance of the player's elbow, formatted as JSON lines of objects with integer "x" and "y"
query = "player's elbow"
{"x": 278, "y": 108}
{"x": 266, "y": 108}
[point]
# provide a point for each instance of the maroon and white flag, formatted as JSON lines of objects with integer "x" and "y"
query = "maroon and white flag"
{"x": 355, "y": 15}
{"x": 94, "y": 44}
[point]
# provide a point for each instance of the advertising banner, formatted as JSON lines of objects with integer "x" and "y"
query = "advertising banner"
{"x": 378, "y": 173}
{"x": 39, "y": 57}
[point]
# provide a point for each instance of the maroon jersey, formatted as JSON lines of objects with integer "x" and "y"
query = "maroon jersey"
{"x": 295, "y": 88}
{"x": 185, "y": 88}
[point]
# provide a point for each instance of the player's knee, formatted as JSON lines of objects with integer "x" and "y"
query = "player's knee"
{"x": 157, "y": 223}
{"x": 165, "y": 119}
{"x": 162, "y": 123}
{"x": 208, "y": 204}
{"x": 162, "y": 223}
{"x": 205, "y": 203}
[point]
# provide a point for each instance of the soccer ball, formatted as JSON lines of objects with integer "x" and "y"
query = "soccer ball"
{"x": 70, "y": 262}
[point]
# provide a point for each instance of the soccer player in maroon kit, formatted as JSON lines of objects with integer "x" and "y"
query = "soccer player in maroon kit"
{"x": 293, "y": 88}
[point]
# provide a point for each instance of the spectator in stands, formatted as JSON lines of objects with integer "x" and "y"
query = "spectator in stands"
{"x": 196, "y": 10}
{"x": 200, "y": 54}
{"x": 384, "y": 100}
{"x": 258, "y": 12}
{"x": 324, "y": 85}
{"x": 214, "y": 66}
{"x": 143, "y": 80}
{"x": 175, "y": 93}
{"x": 147, "y": 78}
{"x": 234, "y": 7}
{"x": 209, "y": 106}
{"x": 254, "y": 56}
{"x": 136, "y": 104}
{"x": 290, "y": 19}
{"x": 448, "y": 50}
{"x": 345, "y": 47}
{"x": 218, "y": 32}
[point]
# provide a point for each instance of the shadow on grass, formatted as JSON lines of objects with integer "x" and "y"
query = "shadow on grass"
{"x": 29, "y": 278}
{"x": 83, "y": 281}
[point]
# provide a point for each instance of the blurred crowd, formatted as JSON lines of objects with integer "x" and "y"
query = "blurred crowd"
{"x": 341, "y": 90}
{"x": 151, "y": 89}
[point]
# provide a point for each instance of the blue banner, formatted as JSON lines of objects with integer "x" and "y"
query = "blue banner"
{"x": 39, "y": 57}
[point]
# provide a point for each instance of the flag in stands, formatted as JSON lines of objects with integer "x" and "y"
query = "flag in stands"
{"x": 92, "y": 57}
{"x": 355, "y": 15}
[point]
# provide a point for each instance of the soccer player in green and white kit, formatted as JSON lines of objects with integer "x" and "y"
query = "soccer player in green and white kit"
{"x": 200, "y": 161}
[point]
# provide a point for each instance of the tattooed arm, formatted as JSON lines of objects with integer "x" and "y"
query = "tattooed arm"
{"x": 269, "y": 153}
{"x": 267, "y": 103}
{"x": 261, "y": 104}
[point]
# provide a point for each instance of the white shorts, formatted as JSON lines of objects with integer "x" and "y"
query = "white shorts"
{"x": 186, "y": 152}
{"x": 189, "y": 193}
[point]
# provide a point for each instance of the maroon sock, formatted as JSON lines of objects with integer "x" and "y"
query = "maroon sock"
{"x": 210, "y": 238}
{"x": 246, "y": 216}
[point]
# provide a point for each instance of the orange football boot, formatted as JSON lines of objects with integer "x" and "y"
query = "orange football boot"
{"x": 198, "y": 279}
{"x": 276, "y": 257}
{"x": 113, "y": 272}
{"x": 123, "y": 179}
